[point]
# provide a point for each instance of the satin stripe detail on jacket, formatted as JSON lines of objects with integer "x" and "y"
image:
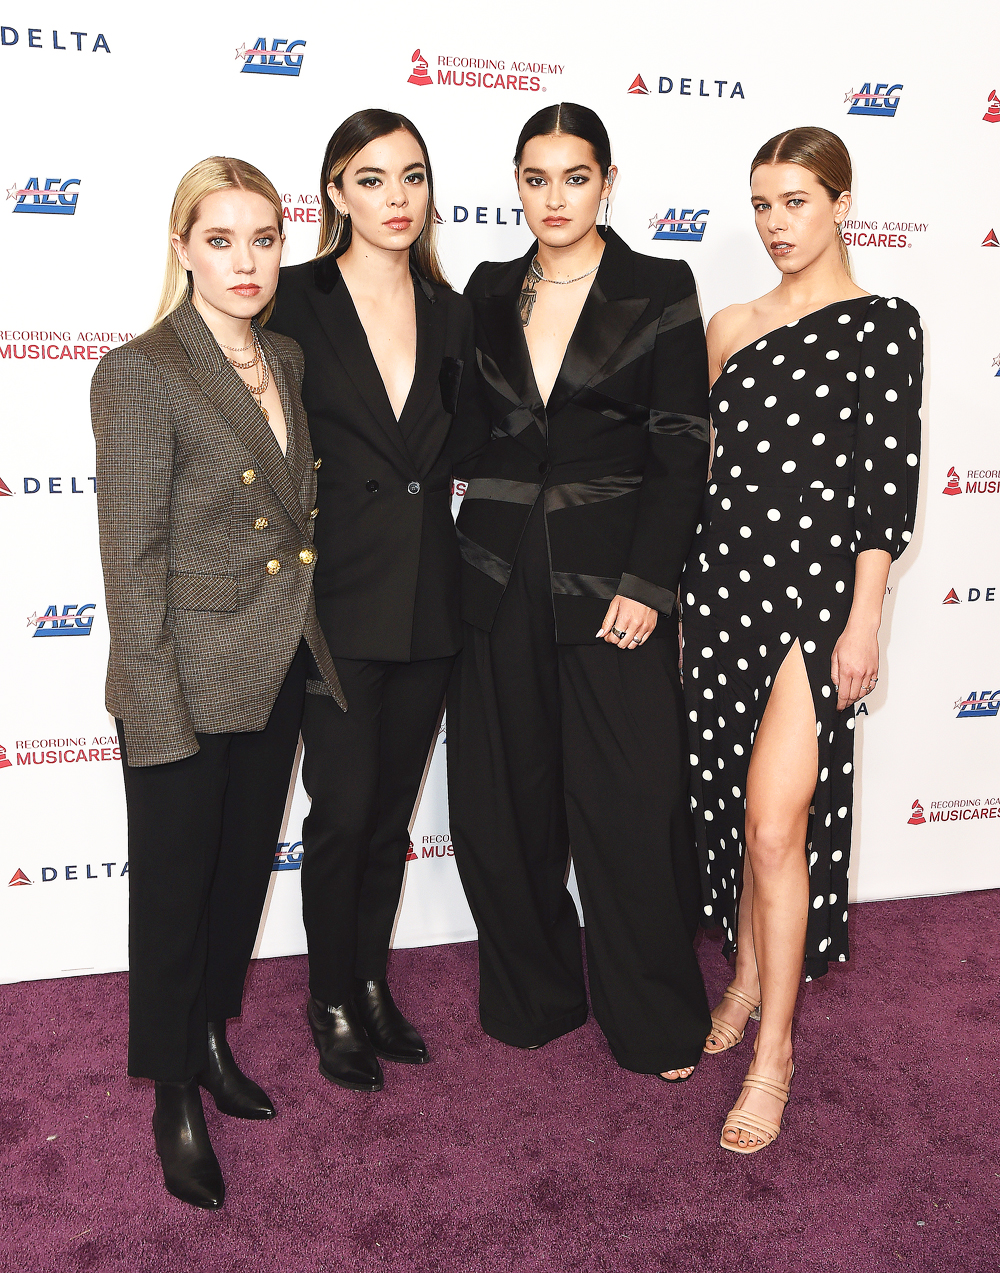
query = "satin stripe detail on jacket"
{"x": 504, "y": 489}
{"x": 647, "y": 594}
{"x": 666, "y": 422}
{"x": 677, "y": 315}
{"x": 573, "y": 494}
{"x": 482, "y": 559}
{"x": 570, "y": 584}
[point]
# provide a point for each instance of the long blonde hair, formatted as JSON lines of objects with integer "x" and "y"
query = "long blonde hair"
{"x": 353, "y": 135}
{"x": 824, "y": 155}
{"x": 215, "y": 173}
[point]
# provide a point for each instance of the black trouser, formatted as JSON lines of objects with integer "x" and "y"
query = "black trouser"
{"x": 202, "y": 834}
{"x": 362, "y": 768}
{"x": 585, "y": 745}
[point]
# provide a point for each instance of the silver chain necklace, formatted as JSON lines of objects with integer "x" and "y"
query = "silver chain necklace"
{"x": 560, "y": 282}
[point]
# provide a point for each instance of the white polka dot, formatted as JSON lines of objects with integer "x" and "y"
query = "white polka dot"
{"x": 848, "y": 767}
{"x": 724, "y": 593}
{"x": 869, "y": 465}
{"x": 828, "y": 494}
{"x": 778, "y": 360}
{"x": 905, "y": 536}
{"x": 845, "y": 413}
{"x": 836, "y": 855}
{"x": 891, "y": 303}
{"x": 824, "y": 775}
{"x": 809, "y": 647}
{"x": 749, "y": 382}
{"x": 770, "y": 400}
{"x": 852, "y": 375}
{"x": 817, "y": 902}
{"x": 793, "y": 419}
{"x": 763, "y": 445}
{"x": 708, "y": 693}
{"x": 842, "y": 811}
{"x": 742, "y": 664}
{"x": 822, "y": 391}
{"x": 833, "y": 898}
{"x": 841, "y": 461}
{"x": 742, "y": 426}
{"x": 815, "y": 568}
{"x": 693, "y": 717}
{"x": 766, "y": 606}
{"x": 797, "y": 375}
{"x": 824, "y": 943}
{"x": 741, "y": 708}
{"x": 869, "y": 327}
{"x": 869, "y": 418}
{"x": 745, "y": 576}
{"x": 891, "y": 395}
{"x": 791, "y": 591}
{"x": 844, "y": 318}
{"x": 824, "y": 616}
{"x": 707, "y": 734}
{"x": 708, "y": 910}
{"x": 869, "y": 372}
{"x": 805, "y": 522}
{"x": 794, "y": 545}
{"x": 727, "y": 504}
{"x": 746, "y": 532}
{"x": 761, "y": 344}
{"x": 913, "y": 334}
{"x": 819, "y": 439}
{"x": 890, "y": 488}
{"x": 704, "y": 610}
{"x": 833, "y": 354}
{"x": 810, "y": 339}
{"x": 892, "y": 347}
{"x": 768, "y": 559}
{"x": 840, "y": 585}
{"x": 785, "y": 638}
{"x": 745, "y": 620}
{"x": 706, "y": 653}
{"x": 735, "y": 471}
{"x": 724, "y": 549}
{"x": 723, "y": 407}
{"x": 912, "y": 460}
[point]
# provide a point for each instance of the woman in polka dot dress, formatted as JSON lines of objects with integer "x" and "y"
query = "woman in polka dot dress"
{"x": 816, "y": 410}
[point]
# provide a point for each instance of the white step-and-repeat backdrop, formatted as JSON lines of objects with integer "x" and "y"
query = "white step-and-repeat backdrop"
{"x": 106, "y": 105}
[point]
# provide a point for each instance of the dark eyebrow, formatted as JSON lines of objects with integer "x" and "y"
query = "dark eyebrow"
{"x": 380, "y": 172}
{"x": 541, "y": 172}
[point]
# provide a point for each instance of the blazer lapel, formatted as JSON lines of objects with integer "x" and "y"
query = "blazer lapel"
{"x": 604, "y": 322}
{"x": 431, "y": 330}
{"x": 335, "y": 310}
{"x": 226, "y": 391}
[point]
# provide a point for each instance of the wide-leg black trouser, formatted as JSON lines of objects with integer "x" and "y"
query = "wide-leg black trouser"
{"x": 362, "y": 768}
{"x": 551, "y": 746}
{"x": 202, "y": 834}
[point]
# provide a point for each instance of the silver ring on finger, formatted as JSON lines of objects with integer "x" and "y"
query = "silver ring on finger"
{"x": 619, "y": 635}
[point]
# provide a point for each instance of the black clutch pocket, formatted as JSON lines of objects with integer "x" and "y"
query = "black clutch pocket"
{"x": 450, "y": 379}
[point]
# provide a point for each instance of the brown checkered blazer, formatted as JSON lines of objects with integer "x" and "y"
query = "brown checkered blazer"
{"x": 196, "y": 507}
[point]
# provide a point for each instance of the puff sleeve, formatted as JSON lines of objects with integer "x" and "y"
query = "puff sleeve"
{"x": 887, "y": 451}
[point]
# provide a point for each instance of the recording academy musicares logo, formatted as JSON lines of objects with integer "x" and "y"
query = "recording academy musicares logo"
{"x": 513, "y": 75}
{"x": 992, "y": 115}
{"x": 882, "y": 233}
{"x": 684, "y": 86}
{"x": 881, "y": 103}
{"x": 431, "y": 846}
{"x": 977, "y": 482}
{"x": 972, "y": 810}
{"x": 83, "y": 749}
{"x": 276, "y": 60}
{"x": 23, "y": 344}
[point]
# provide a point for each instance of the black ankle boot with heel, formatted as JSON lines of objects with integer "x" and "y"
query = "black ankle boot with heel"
{"x": 191, "y": 1170}
{"x": 234, "y": 1094}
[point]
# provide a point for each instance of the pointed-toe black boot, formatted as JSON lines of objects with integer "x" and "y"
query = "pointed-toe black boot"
{"x": 191, "y": 1170}
{"x": 229, "y": 1087}
{"x": 390, "y": 1033}
{"x": 345, "y": 1054}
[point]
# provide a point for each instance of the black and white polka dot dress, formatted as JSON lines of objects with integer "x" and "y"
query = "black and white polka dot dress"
{"x": 816, "y": 459}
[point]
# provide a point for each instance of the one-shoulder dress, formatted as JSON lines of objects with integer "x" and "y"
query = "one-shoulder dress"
{"x": 816, "y": 459}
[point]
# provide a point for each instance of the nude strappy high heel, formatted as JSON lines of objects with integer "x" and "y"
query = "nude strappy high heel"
{"x": 740, "y": 1120}
{"x": 723, "y": 1030}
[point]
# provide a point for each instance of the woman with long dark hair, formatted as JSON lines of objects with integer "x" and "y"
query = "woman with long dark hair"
{"x": 564, "y": 716}
{"x": 205, "y": 483}
{"x": 816, "y": 409}
{"x": 390, "y": 393}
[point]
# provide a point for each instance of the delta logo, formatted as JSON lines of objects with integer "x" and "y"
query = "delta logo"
{"x": 883, "y": 102}
{"x": 276, "y": 60}
{"x": 954, "y": 811}
{"x": 9, "y": 36}
{"x": 689, "y": 227}
{"x": 510, "y": 75}
{"x": 975, "y": 594}
{"x": 288, "y": 856}
{"x": 977, "y": 482}
{"x": 985, "y": 703}
{"x": 50, "y": 873}
{"x": 991, "y": 240}
{"x": 53, "y": 486}
{"x": 992, "y": 115}
{"x": 665, "y": 84}
{"x": 72, "y": 620}
{"x": 51, "y": 197}
{"x": 4, "y": 488}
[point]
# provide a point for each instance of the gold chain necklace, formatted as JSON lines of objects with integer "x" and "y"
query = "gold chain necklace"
{"x": 263, "y": 373}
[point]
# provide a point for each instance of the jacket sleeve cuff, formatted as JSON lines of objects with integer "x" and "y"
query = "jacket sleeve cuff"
{"x": 145, "y": 748}
{"x": 648, "y": 594}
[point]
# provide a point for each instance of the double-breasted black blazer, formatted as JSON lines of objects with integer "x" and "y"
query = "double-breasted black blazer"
{"x": 619, "y": 454}
{"x": 206, "y": 537}
{"x": 387, "y": 579}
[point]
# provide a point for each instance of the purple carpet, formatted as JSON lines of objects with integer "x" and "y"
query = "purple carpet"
{"x": 492, "y": 1160}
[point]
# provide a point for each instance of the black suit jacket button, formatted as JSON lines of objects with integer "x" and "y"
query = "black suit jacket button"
{"x": 371, "y": 486}
{"x": 414, "y": 488}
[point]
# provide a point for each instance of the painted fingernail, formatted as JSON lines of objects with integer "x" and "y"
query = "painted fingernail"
{"x": 601, "y": 633}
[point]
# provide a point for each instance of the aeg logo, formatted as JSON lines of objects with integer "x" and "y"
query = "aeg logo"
{"x": 276, "y": 60}
{"x": 883, "y": 101}
{"x": 288, "y": 856}
{"x": 986, "y": 703}
{"x": 74, "y": 621}
{"x": 689, "y": 227}
{"x": 52, "y": 199}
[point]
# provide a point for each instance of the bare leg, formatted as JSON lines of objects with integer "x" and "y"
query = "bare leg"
{"x": 780, "y": 788}
{"x": 746, "y": 980}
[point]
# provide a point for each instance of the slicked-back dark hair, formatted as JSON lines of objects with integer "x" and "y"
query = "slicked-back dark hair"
{"x": 577, "y": 121}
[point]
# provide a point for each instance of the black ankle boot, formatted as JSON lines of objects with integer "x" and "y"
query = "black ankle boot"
{"x": 191, "y": 1170}
{"x": 391, "y": 1034}
{"x": 232, "y": 1091}
{"x": 345, "y": 1054}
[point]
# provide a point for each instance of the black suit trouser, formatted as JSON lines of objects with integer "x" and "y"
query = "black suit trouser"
{"x": 362, "y": 769}
{"x": 202, "y": 834}
{"x": 584, "y": 745}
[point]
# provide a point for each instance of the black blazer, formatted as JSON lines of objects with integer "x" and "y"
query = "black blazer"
{"x": 387, "y": 574}
{"x": 620, "y": 450}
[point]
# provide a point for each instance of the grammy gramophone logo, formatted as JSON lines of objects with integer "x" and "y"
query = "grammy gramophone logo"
{"x": 419, "y": 75}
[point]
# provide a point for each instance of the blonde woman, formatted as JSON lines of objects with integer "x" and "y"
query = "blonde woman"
{"x": 390, "y": 390}
{"x": 205, "y": 483}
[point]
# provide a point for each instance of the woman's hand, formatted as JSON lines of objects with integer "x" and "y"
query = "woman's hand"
{"x": 854, "y": 665}
{"x": 628, "y": 623}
